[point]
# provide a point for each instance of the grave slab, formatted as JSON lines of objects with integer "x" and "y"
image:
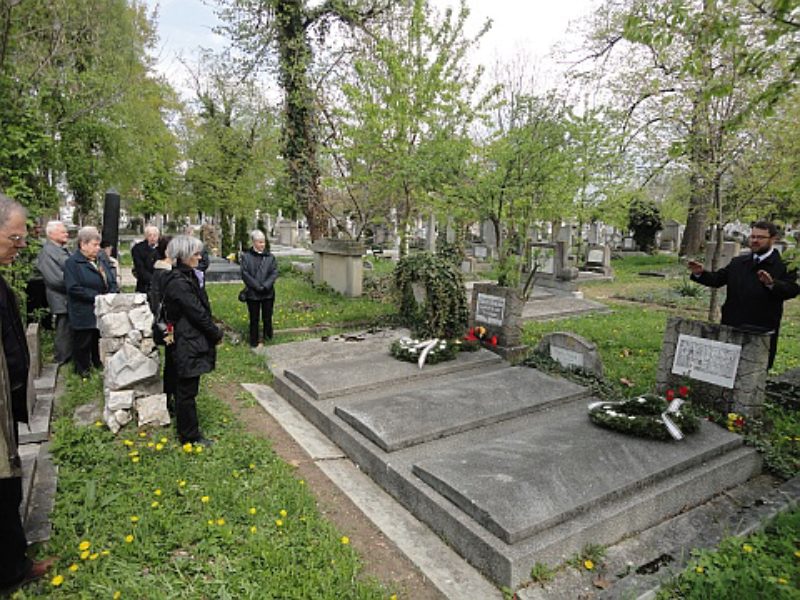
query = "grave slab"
{"x": 558, "y": 468}
{"x": 412, "y": 417}
{"x": 380, "y": 370}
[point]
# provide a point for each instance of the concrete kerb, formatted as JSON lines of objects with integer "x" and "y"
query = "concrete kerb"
{"x": 451, "y": 574}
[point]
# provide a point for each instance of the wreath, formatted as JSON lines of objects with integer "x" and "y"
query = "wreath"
{"x": 477, "y": 337}
{"x": 649, "y": 416}
{"x": 424, "y": 351}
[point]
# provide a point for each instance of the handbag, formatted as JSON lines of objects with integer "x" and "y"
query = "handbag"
{"x": 243, "y": 295}
{"x": 162, "y": 329}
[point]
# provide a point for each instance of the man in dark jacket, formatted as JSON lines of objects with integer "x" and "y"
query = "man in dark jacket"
{"x": 757, "y": 286}
{"x": 50, "y": 263}
{"x": 259, "y": 272}
{"x": 15, "y": 566}
{"x": 144, "y": 257}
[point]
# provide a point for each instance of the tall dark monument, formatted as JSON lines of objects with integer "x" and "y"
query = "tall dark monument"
{"x": 111, "y": 220}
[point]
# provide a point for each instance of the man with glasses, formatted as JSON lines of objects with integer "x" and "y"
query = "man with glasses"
{"x": 757, "y": 285}
{"x": 15, "y": 567}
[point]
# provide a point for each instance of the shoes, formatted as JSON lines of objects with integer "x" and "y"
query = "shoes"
{"x": 37, "y": 570}
{"x": 203, "y": 441}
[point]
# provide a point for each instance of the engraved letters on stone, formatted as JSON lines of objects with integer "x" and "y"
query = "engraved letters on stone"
{"x": 490, "y": 309}
{"x": 707, "y": 360}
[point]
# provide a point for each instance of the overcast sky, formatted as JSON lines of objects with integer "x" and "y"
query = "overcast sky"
{"x": 520, "y": 27}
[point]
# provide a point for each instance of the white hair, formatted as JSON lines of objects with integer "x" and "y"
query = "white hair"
{"x": 88, "y": 234}
{"x": 51, "y": 227}
{"x": 151, "y": 228}
{"x": 257, "y": 235}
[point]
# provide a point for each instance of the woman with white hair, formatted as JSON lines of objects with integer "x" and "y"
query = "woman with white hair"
{"x": 259, "y": 272}
{"x": 87, "y": 273}
{"x": 195, "y": 333}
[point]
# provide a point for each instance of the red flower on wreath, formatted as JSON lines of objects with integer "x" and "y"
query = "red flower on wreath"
{"x": 670, "y": 395}
{"x": 683, "y": 391}
{"x": 493, "y": 341}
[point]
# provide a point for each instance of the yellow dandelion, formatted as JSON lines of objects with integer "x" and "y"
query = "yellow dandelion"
{"x": 204, "y": 499}
{"x": 128, "y": 443}
{"x": 782, "y": 581}
{"x": 57, "y": 580}
{"x": 157, "y": 492}
{"x": 210, "y": 522}
{"x": 117, "y": 595}
{"x": 105, "y": 552}
{"x": 279, "y": 522}
{"x": 588, "y": 564}
{"x": 345, "y": 540}
{"x": 253, "y": 529}
{"x": 252, "y": 510}
{"x": 252, "y": 466}
{"x": 198, "y": 449}
{"x": 220, "y": 522}
{"x": 283, "y": 513}
{"x": 94, "y": 556}
{"x": 159, "y": 447}
{"x": 187, "y": 447}
{"x": 98, "y": 423}
{"x": 128, "y": 539}
{"x": 797, "y": 553}
{"x": 134, "y": 519}
{"x": 84, "y": 545}
{"x": 142, "y": 434}
{"x": 224, "y": 419}
{"x": 747, "y": 548}
{"x": 135, "y": 459}
{"x": 235, "y": 474}
{"x": 133, "y": 453}
{"x": 84, "y": 555}
{"x": 393, "y": 597}
{"x": 151, "y": 444}
{"x": 699, "y": 569}
{"x": 73, "y": 567}
{"x": 163, "y": 440}
{"x": 302, "y": 482}
{"x": 154, "y": 504}
{"x": 182, "y": 483}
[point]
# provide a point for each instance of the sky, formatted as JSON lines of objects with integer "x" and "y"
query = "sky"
{"x": 520, "y": 27}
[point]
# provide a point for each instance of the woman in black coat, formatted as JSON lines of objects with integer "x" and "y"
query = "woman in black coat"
{"x": 155, "y": 296}
{"x": 259, "y": 272}
{"x": 195, "y": 334}
{"x": 87, "y": 274}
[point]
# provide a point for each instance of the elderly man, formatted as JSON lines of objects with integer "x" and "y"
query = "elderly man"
{"x": 144, "y": 257}
{"x": 757, "y": 285}
{"x": 15, "y": 567}
{"x": 50, "y": 262}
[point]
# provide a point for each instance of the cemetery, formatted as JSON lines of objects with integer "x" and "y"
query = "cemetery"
{"x": 451, "y": 327}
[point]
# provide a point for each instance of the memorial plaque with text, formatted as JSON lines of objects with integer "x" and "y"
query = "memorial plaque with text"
{"x": 490, "y": 309}
{"x": 707, "y": 360}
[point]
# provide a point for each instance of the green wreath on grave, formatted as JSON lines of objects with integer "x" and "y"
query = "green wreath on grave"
{"x": 643, "y": 416}
{"x": 435, "y": 350}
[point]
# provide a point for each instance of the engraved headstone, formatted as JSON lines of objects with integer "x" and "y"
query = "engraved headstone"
{"x": 725, "y": 367}
{"x": 499, "y": 309}
{"x": 571, "y": 351}
{"x": 490, "y": 309}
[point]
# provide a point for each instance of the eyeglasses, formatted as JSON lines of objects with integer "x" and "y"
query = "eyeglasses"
{"x": 759, "y": 237}
{"x": 17, "y": 240}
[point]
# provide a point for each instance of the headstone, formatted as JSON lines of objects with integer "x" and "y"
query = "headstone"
{"x": 729, "y": 250}
{"x": 725, "y": 367}
{"x": 671, "y": 235}
{"x": 572, "y": 351}
{"x": 287, "y": 233}
{"x": 499, "y": 309}
{"x": 480, "y": 252}
{"x": 220, "y": 269}
{"x": 339, "y": 263}
{"x": 628, "y": 243}
{"x": 598, "y": 259}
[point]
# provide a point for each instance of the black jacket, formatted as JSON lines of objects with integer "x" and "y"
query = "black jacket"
{"x": 196, "y": 335}
{"x": 15, "y": 347}
{"x": 749, "y": 304}
{"x": 259, "y": 272}
{"x": 144, "y": 257}
{"x": 84, "y": 282}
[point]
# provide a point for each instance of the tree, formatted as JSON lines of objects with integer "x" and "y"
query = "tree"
{"x": 261, "y": 27}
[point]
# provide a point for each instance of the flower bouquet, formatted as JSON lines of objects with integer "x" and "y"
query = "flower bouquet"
{"x": 650, "y": 416}
{"x": 477, "y": 337}
{"x": 421, "y": 351}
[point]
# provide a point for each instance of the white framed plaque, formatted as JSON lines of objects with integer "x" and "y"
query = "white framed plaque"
{"x": 706, "y": 360}
{"x": 490, "y": 309}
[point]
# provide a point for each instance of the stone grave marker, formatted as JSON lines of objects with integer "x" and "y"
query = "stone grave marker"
{"x": 598, "y": 259}
{"x": 499, "y": 309}
{"x": 729, "y": 250}
{"x": 572, "y": 351}
{"x": 725, "y": 367}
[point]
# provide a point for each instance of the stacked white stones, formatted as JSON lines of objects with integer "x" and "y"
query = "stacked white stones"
{"x": 131, "y": 360}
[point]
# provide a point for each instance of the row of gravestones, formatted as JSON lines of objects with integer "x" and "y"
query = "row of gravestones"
{"x": 726, "y": 368}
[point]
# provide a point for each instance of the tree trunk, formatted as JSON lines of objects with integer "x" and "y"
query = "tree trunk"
{"x": 300, "y": 125}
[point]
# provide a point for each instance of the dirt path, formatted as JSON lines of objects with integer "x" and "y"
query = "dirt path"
{"x": 381, "y": 558}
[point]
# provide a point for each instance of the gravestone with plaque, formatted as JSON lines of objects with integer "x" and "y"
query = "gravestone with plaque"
{"x": 598, "y": 259}
{"x": 499, "y": 310}
{"x": 571, "y": 351}
{"x": 725, "y": 367}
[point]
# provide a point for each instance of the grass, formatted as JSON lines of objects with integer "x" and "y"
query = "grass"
{"x": 230, "y": 521}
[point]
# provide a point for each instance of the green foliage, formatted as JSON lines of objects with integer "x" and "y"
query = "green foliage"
{"x": 590, "y": 552}
{"x": 541, "y": 573}
{"x": 762, "y": 565}
{"x": 644, "y": 218}
{"x": 443, "y": 313}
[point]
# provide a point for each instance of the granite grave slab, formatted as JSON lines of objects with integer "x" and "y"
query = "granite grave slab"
{"x": 407, "y": 418}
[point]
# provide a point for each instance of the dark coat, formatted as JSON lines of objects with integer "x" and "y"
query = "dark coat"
{"x": 196, "y": 335}
{"x": 83, "y": 282}
{"x": 259, "y": 272}
{"x": 749, "y": 304}
{"x": 15, "y": 347}
{"x": 50, "y": 263}
{"x": 144, "y": 257}
{"x": 156, "y": 292}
